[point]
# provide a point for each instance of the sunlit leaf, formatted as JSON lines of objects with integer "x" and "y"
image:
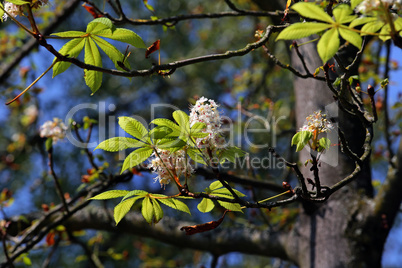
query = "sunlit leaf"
{"x": 119, "y": 143}
{"x": 123, "y": 35}
{"x": 230, "y": 206}
{"x": 352, "y": 37}
{"x": 328, "y": 45}
{"x": 158, "y": 212}
{"x": 72, "y": 48}
{"x": 147, "y": 209}
{"x": 100, "y": 25}
{"x": 93, "y": 79}
{"x": 122, "y": 209}
{"x": 312, "y": 11}
{"x": 110, "y": 194}
{"x": 206, "y": 205}
{"x": 139, "y": 193}
{"x": 111, "y": 51}
{"x": 300, "y": 139}
{"x": 342, "y": 14}
{"x": 300, "y": 30}
{"x": 372, "y": 27}
{"x": 136, "y": 157}
{"x": 132, "y": 127}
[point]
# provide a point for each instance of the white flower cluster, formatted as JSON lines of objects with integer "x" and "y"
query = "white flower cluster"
{"x": 368, "y": 6}
{"x": 15, "y": 10}
{"x": 206, "y": 111}
{"x": 167, "y": 163}
{"x": 317, "y": 123}
{"x": 55, "y": 129}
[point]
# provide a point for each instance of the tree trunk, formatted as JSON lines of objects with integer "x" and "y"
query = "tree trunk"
{"x": 326, "y": 235}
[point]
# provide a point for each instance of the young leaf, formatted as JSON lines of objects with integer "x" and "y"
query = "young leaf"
{"x": 73, "y": 48}
{"x": 198, "y": 127}
{"x": 181, "y": 206}
{"x": 122, "y": 209}
{"x": 372, "y": 27}
{"x": 324, "y": 143}
{"x": 93, "y": 79}
{"x": 224, "y": 191}
{"x": 110, "y": 194}
{"x": 139, "y": 193}
{"x": 70, "y": 34}
{"x": 196, "y": 156}
{"x": 354, "y": 3}
{"x": 167, "y": 123}
{"x": 231, "y": 153}
{"x": 215, "y": 185}
{"x": 154, "y": 47}
{"x": 182, "y": 119}
{"x": 18, "y": 2}
{"x": 99, "y": 25}
{"x": 136, "y": 157}
{"x": 124, "y": 35}
{"x": 159, "y": 132}
{"x": 300, "y": 30}
{"x": 1, "y": 12}
{"x": 158, "y": 212}
{"x": 230, "y": 206}
{"x": 342, "y": 14}
{"x": 352, "y": 37}
{"x": 300, "y": 139}
{"x": 206, "y": 205}
{"x": 132, "y": 127}
{"x": 312, "y": 11}
{"x": 171, "y": 144}
{"x": 328, "y": 45}
{"x": 362, "y": 20}
{"x": 119, "y": 143}
{"x": 147, "y": 209}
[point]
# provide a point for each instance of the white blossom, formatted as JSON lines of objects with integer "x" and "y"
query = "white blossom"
{"x": 167, "y": 164}
{"x": 317, "y": 123}
{"x": 368, "y": 6}
{"x": 55, "y": 129}
{"x": 206, "y": 111}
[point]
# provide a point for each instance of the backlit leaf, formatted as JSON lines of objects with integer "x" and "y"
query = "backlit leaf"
{"x": 93, "y": 79}
{"x": 119, "y": 143}
{"x": 230, "y": 206}
{"x": 300, "y": 30}
{"x": 352, "y": 37}
{"x": 122, "y": 209}
{"x": 110, "y": 194}
{"x": 136, "y": 157}
{"x": 328, "y": 45}
{"x": 124, "y": 35}
{"x": 311, "y": 11}
{"x": 206, "y": 205}
{"x": 73, "y": 49}
{"x": 132, "y": 127}
{"x": 147, "y": 209}
{"x": 300, "y": 139}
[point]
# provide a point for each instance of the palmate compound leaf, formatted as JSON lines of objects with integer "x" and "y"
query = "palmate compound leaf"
{"x": 93, "y": 79}
{"x": 343, "y": 14}
{"x": 99, "y": 25}
{"x": 158, "y": 212}
{"x": 130, "y": 194}
{"x": 328, "y": 44}
{"x": 206, "y": 205}
{"x": 119, "y": 143}
{"x": 182, "y": 119}
{"x": 72, "y": 48}
{"x": 123, "y": 208}
{"x": 300, "y": 30}
{"x": 196, "y": 156}
{"x": 300, "y": 139}
{"x": 173, "y": 203}
{"x": 133, "y": 127}
{"x": 136, "y": 157}
{"x": 110, "y": 194}
{"x": 176, "y": 130}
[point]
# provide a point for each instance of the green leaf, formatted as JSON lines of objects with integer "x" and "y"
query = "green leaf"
{"x": 167, "y": 123}
{"x": 159, "y": 132}
{"x": 224, "y": 191}
{"x": 231, "y": 153}
{"x": 312, "y": 11}
{"x": 196, "y": 156}
{"x": 124, "y": 35}
{"x": 1, "y": 12}
{"x": 328, "y": 45}
{"x": 18, "y": 2}
{"x": 300, "y": 30}
{"x": 352, "y": 37}
{"x": 300, "y": 139}
{"x": 158, "y": 212}
{"x": 385, "y": 33}
{"x": 198, "y": 127}
{"x": 182, "y": 119}
{"x": 48, "y": 144}
{"x": 93, "y": 79}
{"x": 206, "y": 205}
{"x": 215, "y": 185}
{"x": 133, "y": 127}
{"x": 27, "y": 261}
{"x": 73, "y": 48}
{"x": 342, "y": 14}
{"x": 324, "y": 143}
{"x": 230, "y": 206}
{"x": 199, "y": 135}
{"x": 122, "y": 209}
{"x": 362, "y": 20}
{"x": 99, "y": 25}
{"x": 354, "y": 3}
{"x": 136, "y": 157}
{"x": 174, "y": 144}
{"x": 147, "y": 209}
{"x": 139, "y": 193}
{"x": 181, "y": 206}
{"x": 372, "y": 27}
{"x": 119, "y": 143}
{"x": 110, "y": 194}
{"x": 70, "y": 34}
{"x": 111, "y": 51}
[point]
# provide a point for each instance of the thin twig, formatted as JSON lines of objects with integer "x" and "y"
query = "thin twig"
{"x": 56, "y": 180}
